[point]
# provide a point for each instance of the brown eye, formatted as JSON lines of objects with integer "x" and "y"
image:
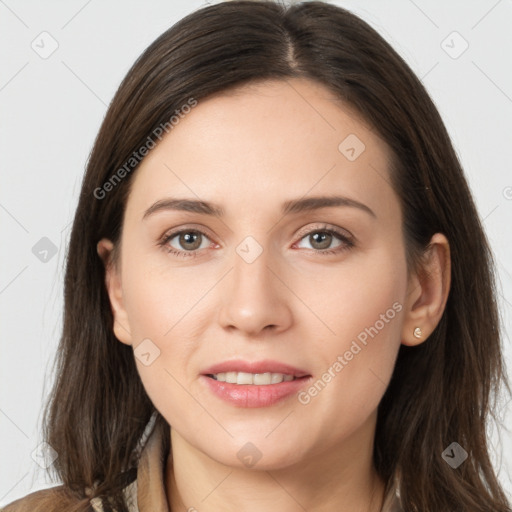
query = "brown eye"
{"x": 190, "y": 240}
{"x": 186, "y": 242}
{"x": 321, "y": 240}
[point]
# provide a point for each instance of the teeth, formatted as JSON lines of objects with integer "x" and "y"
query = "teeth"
{"x": 259, "y": 379}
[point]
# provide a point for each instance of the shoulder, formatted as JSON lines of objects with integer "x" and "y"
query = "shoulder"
{"x": 54, "y": 499}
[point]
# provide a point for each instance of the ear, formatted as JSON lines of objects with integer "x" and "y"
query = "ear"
{"x": 427, "y": 292}
{"x": 105, "y": 249}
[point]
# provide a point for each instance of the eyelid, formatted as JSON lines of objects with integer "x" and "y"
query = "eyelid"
{"x": 307, "y": 230}
{"x": 187, "y": 227}
{"x": 327, "y": 227}
{"x": 343, "y": 235}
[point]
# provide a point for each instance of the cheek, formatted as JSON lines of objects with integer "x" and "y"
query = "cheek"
{"x": 166, "y": 314}
{"x": 364, "y": 291}
{"x": 363, "y": 306}
{"x": 160, "y": 298}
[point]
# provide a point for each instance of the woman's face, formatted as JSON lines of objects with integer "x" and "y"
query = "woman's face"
{"x": 321, "y": 289}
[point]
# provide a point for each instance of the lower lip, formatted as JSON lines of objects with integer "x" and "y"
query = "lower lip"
{"x": 250, "y": 395}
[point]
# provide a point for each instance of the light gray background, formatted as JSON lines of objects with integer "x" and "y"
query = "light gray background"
{"x": 51, "y": 110}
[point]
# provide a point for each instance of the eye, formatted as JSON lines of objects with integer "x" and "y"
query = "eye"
{"x": 188, "y": 242}
{"x": 185, "y": 243}
{"x": 323, "y": 238}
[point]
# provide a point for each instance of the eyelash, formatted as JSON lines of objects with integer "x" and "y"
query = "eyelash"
{"x": 348, "y": 243}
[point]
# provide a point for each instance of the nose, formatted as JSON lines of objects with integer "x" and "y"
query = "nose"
{"x": 255, "y": 297}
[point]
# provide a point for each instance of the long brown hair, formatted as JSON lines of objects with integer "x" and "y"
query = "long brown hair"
{"x": 441, "y": 391}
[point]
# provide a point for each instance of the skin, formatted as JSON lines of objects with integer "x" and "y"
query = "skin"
{"x": 250, "y": 150}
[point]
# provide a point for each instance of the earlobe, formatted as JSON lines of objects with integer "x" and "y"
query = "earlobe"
{"x": 114, "y": 288}
{"x": 428, "y": 293}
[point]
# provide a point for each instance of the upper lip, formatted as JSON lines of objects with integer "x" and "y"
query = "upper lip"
{"x": 265, "y": 366}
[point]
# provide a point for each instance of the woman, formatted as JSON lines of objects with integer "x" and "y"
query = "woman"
{"x": 278, "y": 291}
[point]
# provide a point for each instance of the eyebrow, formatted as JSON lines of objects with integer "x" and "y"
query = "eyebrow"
{"x": 289, "y": 207}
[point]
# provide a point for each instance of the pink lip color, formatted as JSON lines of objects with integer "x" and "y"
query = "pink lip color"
{"x": 250, "y": 395}
{"x": 265, "y": 366}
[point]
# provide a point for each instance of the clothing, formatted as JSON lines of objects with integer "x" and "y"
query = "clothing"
{"x": 147, "y": 492}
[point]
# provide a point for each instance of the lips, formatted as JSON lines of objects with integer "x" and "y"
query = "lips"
{"x": 252, "y": 396}
{"x": 265, "y": 366}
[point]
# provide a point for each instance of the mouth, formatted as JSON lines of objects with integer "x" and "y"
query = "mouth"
{"x": 255, "y": 379}
{"x": 254, "y": 390}
{"x": 263, "y": 372}
{"x": 254, "y": 384}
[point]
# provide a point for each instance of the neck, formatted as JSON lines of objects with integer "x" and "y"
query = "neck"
{"x": 342, "y": 480}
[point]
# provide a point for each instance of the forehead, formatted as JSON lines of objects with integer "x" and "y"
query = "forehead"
{"x": 266, "y": 140}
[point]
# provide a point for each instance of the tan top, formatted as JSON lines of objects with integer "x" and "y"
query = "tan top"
{"x": 147, "y": 492}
